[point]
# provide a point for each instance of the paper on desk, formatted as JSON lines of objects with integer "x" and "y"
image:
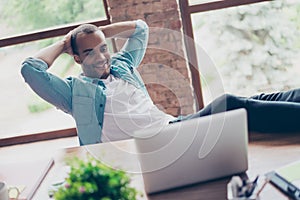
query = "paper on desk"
{"x": 291, "y": 173}
{"x": 28, "y": 173}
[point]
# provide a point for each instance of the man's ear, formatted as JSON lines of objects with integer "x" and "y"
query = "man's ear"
{"x": 77, "y": 59}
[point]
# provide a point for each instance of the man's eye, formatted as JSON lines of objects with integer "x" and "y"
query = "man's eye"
{"x": 90, "y": 53}
{"x": 103, "y": 49}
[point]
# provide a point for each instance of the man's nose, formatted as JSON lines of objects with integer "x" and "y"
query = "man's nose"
{"x": 100, "y": 56}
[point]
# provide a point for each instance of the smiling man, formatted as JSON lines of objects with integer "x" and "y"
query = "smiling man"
{"x": 109, "y": 88}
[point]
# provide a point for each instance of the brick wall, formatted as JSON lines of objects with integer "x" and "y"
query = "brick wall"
{"x": 164, "y": 68}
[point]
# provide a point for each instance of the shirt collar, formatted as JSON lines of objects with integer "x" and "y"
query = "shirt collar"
{"x": 88, "y": 79}
{"x": 113, "y": 71}
{"x": 92, "y": 80}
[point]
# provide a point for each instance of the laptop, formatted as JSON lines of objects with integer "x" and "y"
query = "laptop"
{"x": 193, "y": 151}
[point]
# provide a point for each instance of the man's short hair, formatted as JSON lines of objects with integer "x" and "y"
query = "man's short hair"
{"x": 84, "y": 28}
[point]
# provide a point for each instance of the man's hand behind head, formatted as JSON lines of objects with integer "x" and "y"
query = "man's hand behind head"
{"x": 67, "y": 44}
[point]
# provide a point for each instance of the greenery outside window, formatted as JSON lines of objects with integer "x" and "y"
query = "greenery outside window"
{"x": 254, "y": 48}
{"x": 19, "y": 17}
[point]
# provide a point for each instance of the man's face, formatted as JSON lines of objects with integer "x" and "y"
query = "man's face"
{"x": 94, "y": 56}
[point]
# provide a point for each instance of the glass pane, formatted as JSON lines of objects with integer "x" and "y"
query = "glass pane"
{"x": 24, "y": 111}
{"x": 248, "y": 49}
{"x": 19, "y": 16}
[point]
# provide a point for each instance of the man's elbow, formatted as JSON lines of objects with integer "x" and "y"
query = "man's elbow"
{"x": 141, "y": 23}
{"x": 25, "y": 71}
{"x": 33, "y": 68}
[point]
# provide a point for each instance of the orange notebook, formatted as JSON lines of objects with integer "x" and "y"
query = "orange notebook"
{"x": 26, "y": 175}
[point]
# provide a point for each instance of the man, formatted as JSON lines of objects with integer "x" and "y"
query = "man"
{"x": 109, "y": 100}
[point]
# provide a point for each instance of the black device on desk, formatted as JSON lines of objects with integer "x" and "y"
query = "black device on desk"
{"x": 287, "y": 179}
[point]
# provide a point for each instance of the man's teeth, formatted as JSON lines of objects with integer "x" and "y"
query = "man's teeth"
{"x": 101, "y": 65}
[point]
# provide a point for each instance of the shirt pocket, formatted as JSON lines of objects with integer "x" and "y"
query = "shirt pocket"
{"x": 83, "y": 109}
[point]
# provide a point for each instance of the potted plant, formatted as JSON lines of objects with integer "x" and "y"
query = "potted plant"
{"x": 92, "y": 180}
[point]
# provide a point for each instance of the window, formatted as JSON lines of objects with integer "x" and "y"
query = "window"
{"x": 25, "y": 112}
{"x": 29, "y": 27}
{"x": 253, "y": 48}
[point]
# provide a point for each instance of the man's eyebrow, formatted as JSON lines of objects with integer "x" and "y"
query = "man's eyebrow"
{"x": 103, "y": 45}
{"x": 87, "y": 50}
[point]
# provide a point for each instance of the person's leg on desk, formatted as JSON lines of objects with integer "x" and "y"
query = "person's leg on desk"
{"x": 263, "y": 115}
{"x": 289, "y": 96}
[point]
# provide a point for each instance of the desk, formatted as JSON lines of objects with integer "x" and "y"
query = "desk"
{"x": 266, "y": 152}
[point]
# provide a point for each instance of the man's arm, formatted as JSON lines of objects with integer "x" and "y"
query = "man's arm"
{"x": 48, "y": 86}
{"x": 135, "y": 47}
{"x": 119, "y": 29}
{"x": 116, "y": 30}
{"x": 50, "y": 53}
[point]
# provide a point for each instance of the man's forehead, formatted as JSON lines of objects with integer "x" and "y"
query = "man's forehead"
{"x": 90, "y": 40}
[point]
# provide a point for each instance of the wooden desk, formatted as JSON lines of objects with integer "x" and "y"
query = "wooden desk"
{"x": 266, "y": 152}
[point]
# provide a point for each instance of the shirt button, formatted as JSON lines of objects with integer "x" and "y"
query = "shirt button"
{"x": 101, "y": 105}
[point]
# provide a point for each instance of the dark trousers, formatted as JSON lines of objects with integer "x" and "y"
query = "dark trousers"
{"x": 275, "y": 112}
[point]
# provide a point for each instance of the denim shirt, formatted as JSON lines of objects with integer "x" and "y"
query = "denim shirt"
{"x": 83, "y": 97}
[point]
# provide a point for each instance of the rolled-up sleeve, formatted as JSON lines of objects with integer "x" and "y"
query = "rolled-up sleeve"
{"x": 51, "y": 88}
{"x": 136, "y": 45}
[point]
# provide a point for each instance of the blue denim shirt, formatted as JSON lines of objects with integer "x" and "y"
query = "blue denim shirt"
{"x": 83, "y": 97}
